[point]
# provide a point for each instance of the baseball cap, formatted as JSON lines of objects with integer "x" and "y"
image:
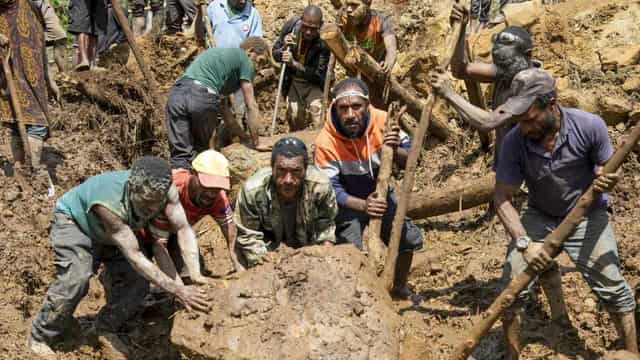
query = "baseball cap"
{"x": 213, "y": 169}
{"x": 526, "y": 86}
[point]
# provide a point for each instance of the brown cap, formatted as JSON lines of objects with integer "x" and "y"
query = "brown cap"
{"x": 526, "y": 86}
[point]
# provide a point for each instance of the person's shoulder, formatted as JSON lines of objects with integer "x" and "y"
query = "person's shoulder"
{"x": 316, "y": 176}
{"x": 257, "y": 181}
{"x": 513, "y": 138}
{"x": 582, "y": 116}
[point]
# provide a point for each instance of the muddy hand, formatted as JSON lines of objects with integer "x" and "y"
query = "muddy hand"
{"x": 459, "y": 13}
{"x": 376, "y": 207}
{"x": 537, "y": 258}
{"x": 605, "y": 182}
{"x": 200, "y": 280}
{"x": 440, "y": 81}
{"x": 289, "y": 40}
{"x": 193, "y": 298}
{"x": 392, "y": 138}
{"x": 5, "y": 49}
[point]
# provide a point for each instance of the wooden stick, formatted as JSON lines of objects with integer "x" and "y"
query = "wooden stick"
{"x": 410, "y": 169}
{"x": 15, "y": 104}
{"x": 373, "y": 241}
{"x": 327, "y": 86}
{"x": 552, "y": 245}
{"x": 124, "y": 23}
{"x": 370, "y": 69}
{"x": 476, "y": 98}
{"x": 207, "y": 25}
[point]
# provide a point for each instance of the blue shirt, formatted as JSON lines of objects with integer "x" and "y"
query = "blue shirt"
{"x": 230, "y": 30}
{"x": 556, "y": 180}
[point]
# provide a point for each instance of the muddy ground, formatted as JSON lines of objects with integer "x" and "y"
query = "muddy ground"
{"x": 586, "y": 44}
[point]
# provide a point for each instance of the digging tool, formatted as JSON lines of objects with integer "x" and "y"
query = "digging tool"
{"x": 275, "y": 109}
{"x": 552, "y": 245}
{"x": 207, "y": 24}
{"x": 372, "y": 239}
{"x": 327, "y": 86}
{"x": 476, "y": 98}
{"x": 15, "y": 103}
{"x": 412, "y": 162}
{"x": 124, "y": 23}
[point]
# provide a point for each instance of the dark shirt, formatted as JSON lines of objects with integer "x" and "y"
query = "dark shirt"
{"x": 556, "y": 180}
{"x": 316, "y": 56}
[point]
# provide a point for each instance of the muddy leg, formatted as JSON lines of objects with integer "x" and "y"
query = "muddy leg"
{"x": 511, "y": 323}
{"x": 403, "y": 266}
{"x": 551, "y": 282}
{"x": 83, "y": 52}
{"x": 626, "y": 326}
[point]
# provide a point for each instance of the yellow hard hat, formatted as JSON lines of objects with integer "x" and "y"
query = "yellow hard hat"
{"x": 213, "y": 169}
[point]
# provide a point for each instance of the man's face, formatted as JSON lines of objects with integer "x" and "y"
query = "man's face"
{"x": 145, "y": 202}
{"x": 356, "y": 11}
{"x": 310, "y": 27}
{"x": 351, "y": 111}
{"x": 288, "y": 174}
{"x": 237, "y": 4}
{"x": 507, "y": 54}
{"x": 537, "y": 123}
{"x": 204, "y": 197}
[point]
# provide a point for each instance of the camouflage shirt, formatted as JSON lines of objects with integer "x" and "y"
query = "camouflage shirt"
{"x": 258, "y": 214}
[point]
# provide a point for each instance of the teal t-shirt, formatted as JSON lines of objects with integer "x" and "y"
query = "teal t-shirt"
{"x": 108, "y": 190}
{"x": 221, "y": 69}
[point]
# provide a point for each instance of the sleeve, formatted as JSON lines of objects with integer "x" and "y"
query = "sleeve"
{"x": 250, "y": 240}
{"x": 222, "y": 211}
{"x": 325, "y": 161}
{"x": 387, "y": 26}
{"x": 509, "y": 169}
{"x": 405, "y": 140}
{"x": 246, "y": 69}
{"x": 256, "y": 25}
{"x": 327, "y": 211}
{"x": 601, "y": 149}
{"x": 316, "y": 74}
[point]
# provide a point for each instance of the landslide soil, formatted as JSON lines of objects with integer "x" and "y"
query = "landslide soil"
{"x": 459, "y": 272}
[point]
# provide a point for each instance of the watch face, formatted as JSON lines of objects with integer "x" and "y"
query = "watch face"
{"x": 522, "y": 243}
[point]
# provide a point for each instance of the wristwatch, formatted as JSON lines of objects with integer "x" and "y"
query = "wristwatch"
{"x": 522, "y": 243}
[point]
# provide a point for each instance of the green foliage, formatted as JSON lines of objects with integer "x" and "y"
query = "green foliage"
{"x": 61, "y": 9}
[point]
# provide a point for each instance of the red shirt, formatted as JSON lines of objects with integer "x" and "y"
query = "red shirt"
{"x": 220, "y": 210}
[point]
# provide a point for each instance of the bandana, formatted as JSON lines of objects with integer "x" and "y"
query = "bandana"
{"x": 351, "y": 93}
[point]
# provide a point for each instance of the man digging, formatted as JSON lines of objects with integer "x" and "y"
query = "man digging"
{"x": 306, "y": 56}
{"x": 558, "y": 152}
{"x": 292, "y": 203}
{"x": 348, "y": 150}
{"x": 195, "y": 99}
{"x": 95, "y": 223}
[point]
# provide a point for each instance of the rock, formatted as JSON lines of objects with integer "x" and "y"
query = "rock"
{"x": 562, "y": 84}
{"x": 481, "y": 43}
{"x": 590, "y": 305}
{"x": 523, "y": 14}
{"x": 313, "y": 303}
{"x": 11, "y": 195}
{"x": 620, "y": 355}
{"x": 632, "y": 84}
{"x": 578, "y": 99}
{"x": 614, "y": 109}
{"x": 614, "y": 57}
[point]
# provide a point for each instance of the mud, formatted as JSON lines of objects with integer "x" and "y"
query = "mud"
{"x": 458, "y": 274}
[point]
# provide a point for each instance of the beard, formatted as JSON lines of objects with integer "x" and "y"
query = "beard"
{"x": 509, "y": 61}
{"x": 549, "y": 127}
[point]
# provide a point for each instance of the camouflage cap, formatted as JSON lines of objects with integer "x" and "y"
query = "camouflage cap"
{"x": 526, "y": 86}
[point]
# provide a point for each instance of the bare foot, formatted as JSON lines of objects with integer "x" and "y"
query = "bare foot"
{"x": 112, "y": 347}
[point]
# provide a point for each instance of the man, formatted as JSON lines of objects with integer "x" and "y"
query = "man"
{"x": 177, "y": 11}
{"x": 371, "y": 30}
{"x": 306, "y": 56}
{"x": 232, "y": 21}
{"x": 511, "y": 54}
{"x": 55, "y": 34}
{"x": 195, "y": 99}
{"x": 87, "y": 20}
{"x": 139, "y": 16}
{"x": 558, "y": 152}
{"x": 22, "y": 39}
{"x": 94, "y": 223}
{"x": 292, "y": 203}
{"x": 348, "y": 151}
{"x": 202, "y": 191}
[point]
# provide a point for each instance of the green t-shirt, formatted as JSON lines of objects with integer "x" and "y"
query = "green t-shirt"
{"x": 221, "y": 69}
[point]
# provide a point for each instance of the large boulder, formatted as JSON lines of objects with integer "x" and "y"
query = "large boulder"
{"x": 311, "y": 303}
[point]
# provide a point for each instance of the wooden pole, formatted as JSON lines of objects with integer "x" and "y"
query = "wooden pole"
{"x": 327, "y": 86}
{"x": 355, "y": 59}
{"x": 207, "y": 25}
{"x": 410, "y": 169}
{"x": 552, "y": 245}
{"x": 476, "y": 98}
{"x": 124, "y": 23}
{"x": 373, "y": 241}
{"x": 15, "y": 104}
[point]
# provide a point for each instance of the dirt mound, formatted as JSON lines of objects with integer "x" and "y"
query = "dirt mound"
{"x": 313, "y": 303}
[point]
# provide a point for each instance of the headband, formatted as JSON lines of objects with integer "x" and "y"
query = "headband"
{"x": 352, "y": 93}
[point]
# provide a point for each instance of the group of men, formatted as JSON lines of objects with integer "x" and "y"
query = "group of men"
{"x": 124, "y": 219}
